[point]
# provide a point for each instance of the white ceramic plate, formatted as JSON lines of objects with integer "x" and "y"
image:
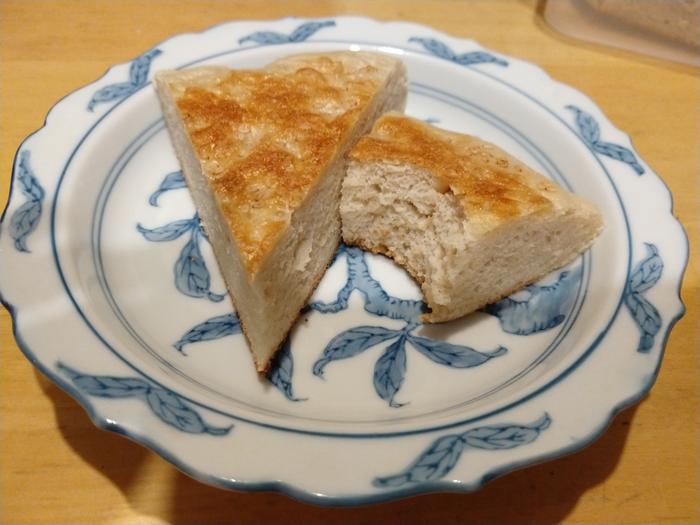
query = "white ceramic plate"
{"x": 116, "y": 297}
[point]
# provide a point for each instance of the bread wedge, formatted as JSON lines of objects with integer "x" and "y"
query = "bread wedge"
{"x": 469, "y": 222}
{"x": 264, "y": 153}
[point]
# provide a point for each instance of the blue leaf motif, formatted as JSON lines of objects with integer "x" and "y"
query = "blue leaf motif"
{"x": 645, "y": 275}
{"x": 106, "y": 386}
{"x": 504, "y": 437}
{"x": 341, "y": 302}
{"x": 390, "y": 370}
{"x": 435, "y": 47}
{"x": 652, "y": 318}
{"x": 169, "y": 407}
{"x": 111, "y": 92}
{"x": 545, "y": 306}
{"x": 479, "y": 57}
{"x": 191, "y": 275}
{"x": 648, "y": 272}
{"x": 589, "y": 131}
{"x": 391, "y": 366}
{"x": 442, "y": 455}
{"x": 172, "y": 181}
{"x": 29, "y": 184}
{"x": 281, "y": 371}
{"x": 25, "y": 219}
{"x": 23, "y": 222}
{"x": 351, "y": 342}
{"x": 647, "y": 318}
{"x": 169, "y": 232}
{"x": 455, "y": 356}
{"x": 265, "y": 38}
{"x": 214, "y": 328}
{"x": 304, "y": 31}
{"x": 620, "y": 153}
{"x": 301, "y": 33}
{"x": 434, "y": 463}
{"x": 439, "y": 49}
{"x": 138, "y": 71}
{"x": 645, "y": 343}
{"x": 587, "y": 126}
{"x": 171, "y": 410}
{"x": 138, "y": 75}
{"x": 377, "y": 301}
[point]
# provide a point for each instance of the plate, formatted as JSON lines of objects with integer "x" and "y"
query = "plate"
{"x": 116, "y": 297}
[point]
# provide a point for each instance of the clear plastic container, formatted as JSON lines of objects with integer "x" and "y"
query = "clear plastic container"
{"x": 618, "y": 25}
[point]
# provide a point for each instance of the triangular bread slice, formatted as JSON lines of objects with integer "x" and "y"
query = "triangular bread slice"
{"x": 469, "y": 222}
{"x": 264, "y": 153}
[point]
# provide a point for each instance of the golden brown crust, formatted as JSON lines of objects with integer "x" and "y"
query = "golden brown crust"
{"x": 265, "y": 136}
{"x": 490, "y": 184}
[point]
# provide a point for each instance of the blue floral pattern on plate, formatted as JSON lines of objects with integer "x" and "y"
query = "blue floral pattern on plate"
{"x": 442, "y": 455}
{"x": 300, "y": 34}
{"x": 390, "y": 368}
{"x": 645, "y": 275}
{"x": 26, "y": 218}
{"x": 210, "y": 330}
{"x": 192, "y": 276}
{"x": 537, "y": 307}
{"x": 138, "y": 77}
{"x": 281, "y": 372}
{"x": 589, "y": 130}
{"x": 165, "y": 404}
{"x": 172, "y": 181}
{"x": 471, "y": 58}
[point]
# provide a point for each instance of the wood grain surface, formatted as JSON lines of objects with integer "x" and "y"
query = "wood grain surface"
{"x": 56, "y": 467}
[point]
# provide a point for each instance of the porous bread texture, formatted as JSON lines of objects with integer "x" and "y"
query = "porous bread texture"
{"x": 462, "y": 257}
{"x": 269, "y": 292}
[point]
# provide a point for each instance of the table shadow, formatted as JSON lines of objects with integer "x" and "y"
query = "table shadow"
{"x": 116, "y": 458}
{"x": 542, "y": 494}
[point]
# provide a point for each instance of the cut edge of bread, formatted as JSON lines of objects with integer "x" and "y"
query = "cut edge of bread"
{"x": 401, "y": 212}
{"x": 275, "y": 295}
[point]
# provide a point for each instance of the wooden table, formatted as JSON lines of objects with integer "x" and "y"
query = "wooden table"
{"x": 58, "y": 468}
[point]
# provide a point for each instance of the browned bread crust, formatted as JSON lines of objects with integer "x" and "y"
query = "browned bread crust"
{"x": 265, "y": 136}
{"x": 469, "y": 222}
{"x": 492, "y": 186}
{"x": 264, "y": 152}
